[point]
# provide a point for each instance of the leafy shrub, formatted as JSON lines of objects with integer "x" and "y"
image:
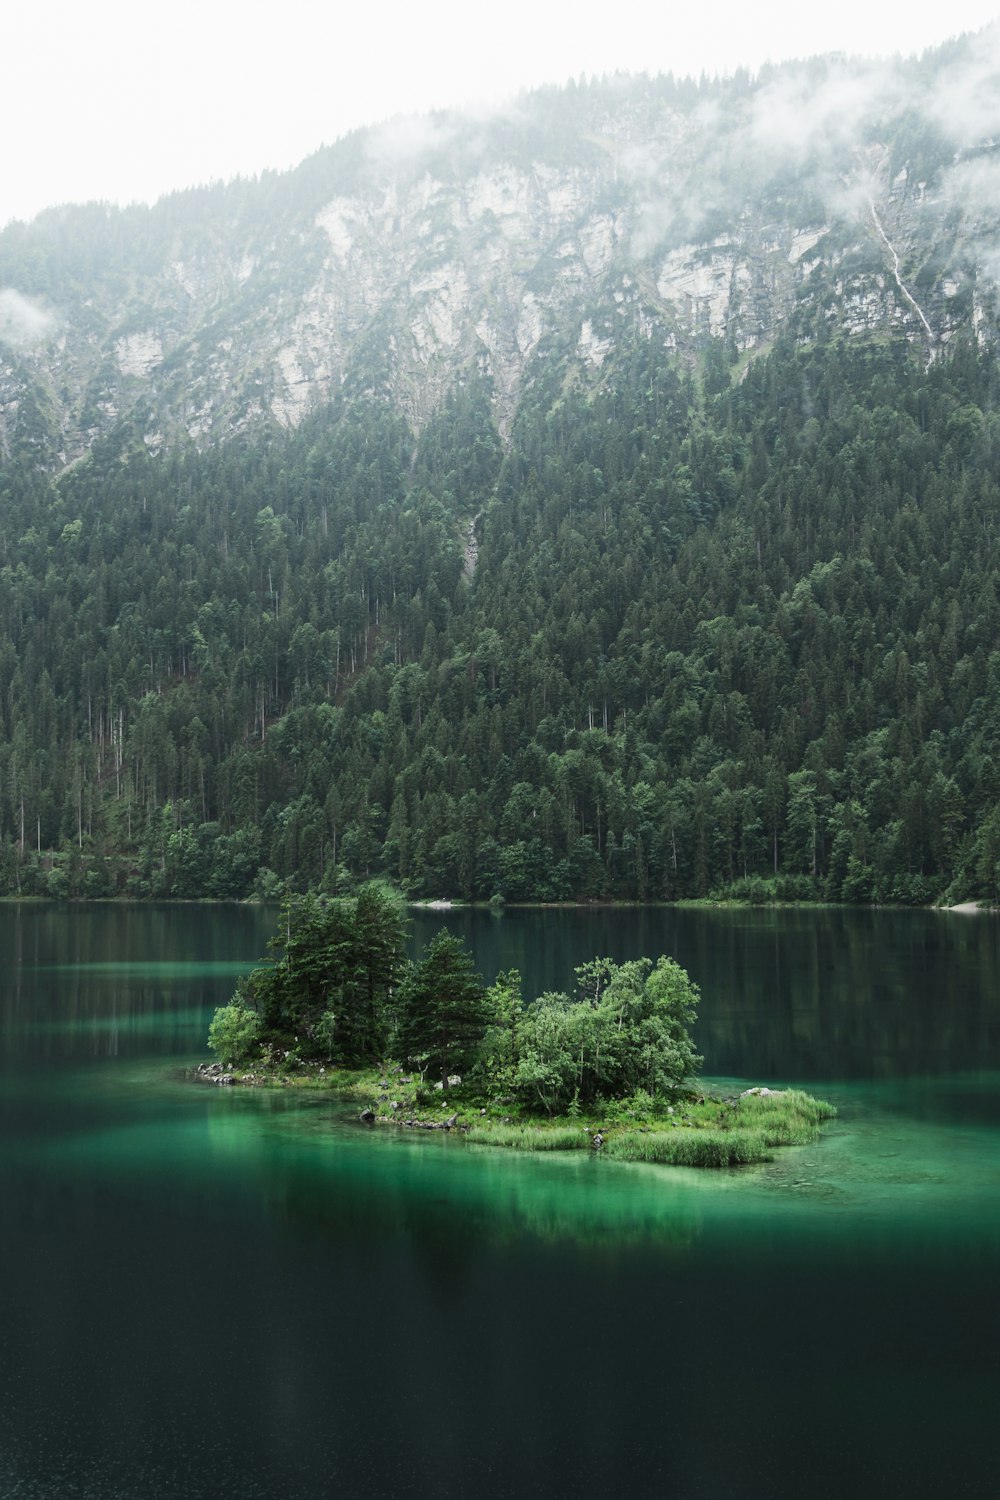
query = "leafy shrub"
{"x": 750, "y": 890}
{"x": 858, "y": 883}
{"x": 626, "y": 1031}
{"x": 796, "y": 888}
{"x": 907, "y": 890}
{"x": 636, "y": 1108}
{"x": 233, "y": 1033}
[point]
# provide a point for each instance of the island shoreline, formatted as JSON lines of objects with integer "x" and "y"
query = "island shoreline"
{"x": 701, "y": 1129}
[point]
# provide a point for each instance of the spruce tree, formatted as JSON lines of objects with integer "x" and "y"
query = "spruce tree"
{"x": 442, "y": 1014}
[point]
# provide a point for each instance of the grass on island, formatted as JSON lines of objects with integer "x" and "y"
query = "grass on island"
{"x": 698, "y": 1130}
{"x": 711, "y": 1132}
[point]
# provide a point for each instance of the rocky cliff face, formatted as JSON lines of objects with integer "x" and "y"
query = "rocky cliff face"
{"x": 831, "y": 195}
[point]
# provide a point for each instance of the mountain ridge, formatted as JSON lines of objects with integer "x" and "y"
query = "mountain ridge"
{"x": 410, "y": 252}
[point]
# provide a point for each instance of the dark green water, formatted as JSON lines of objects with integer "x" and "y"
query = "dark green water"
{"x": 210, "y": 1292}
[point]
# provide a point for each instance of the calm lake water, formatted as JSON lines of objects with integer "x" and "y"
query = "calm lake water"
{"x": 210, "y": 1292}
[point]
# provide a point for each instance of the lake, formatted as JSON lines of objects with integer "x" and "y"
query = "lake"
{"x": 213, "y": 1292}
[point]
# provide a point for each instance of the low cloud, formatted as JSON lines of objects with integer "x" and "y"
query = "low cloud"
{"x": 401, "y": 146}
{"x": 800, "y": 116}
{"x": 406, "y": 138}
{"x": 677, "y": 179}
{"x": 850, "y": 197}
{"x": 965, "y": 100}
{"x": 827, "y": 124}
{"x": 988, "y": 263}
{"x": 23, "y": 321}
{"x": 974, "y": 186}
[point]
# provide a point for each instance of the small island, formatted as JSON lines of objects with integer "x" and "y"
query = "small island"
{"x": 423, "y": 1044}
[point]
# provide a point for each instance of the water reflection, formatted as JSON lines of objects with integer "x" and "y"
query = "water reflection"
{"x": 828, "y": 994}
{"x": 108, "y": 980}
{"x": 795, "y": 995}
{"x": 216, "y": 1292}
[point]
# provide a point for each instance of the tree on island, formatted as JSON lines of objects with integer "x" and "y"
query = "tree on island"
{"x": 500, "y": 1047}
{"x": 342, "y": 990}
{"x": 625, "y": 1030}
{"x": 442, "y": 1014}
{"x": 329, "y": 988}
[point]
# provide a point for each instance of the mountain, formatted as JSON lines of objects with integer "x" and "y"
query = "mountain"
{"x": 862, "y": 195}
{"x": 595, "y": 498}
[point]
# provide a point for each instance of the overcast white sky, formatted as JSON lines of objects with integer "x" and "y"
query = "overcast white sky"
{"x": 116, "y": 100}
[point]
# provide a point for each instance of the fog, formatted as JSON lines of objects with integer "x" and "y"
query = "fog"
{"x": 23, "y": 321}
{"x": 825, "y": 121}
{"x": 120, "y": 103}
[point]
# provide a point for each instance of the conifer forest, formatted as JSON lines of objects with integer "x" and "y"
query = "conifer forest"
{"x": 670, "y": 610}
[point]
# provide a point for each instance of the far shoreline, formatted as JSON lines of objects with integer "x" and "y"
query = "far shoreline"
{"x": 446, "y": 905}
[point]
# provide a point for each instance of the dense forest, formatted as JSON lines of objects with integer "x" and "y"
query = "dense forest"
{"x": 688, "y": 629}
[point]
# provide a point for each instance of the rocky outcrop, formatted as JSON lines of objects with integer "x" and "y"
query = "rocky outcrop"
{"x": 215, "y": 1072}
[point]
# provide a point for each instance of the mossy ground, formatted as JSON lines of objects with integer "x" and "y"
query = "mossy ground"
{"x": 699, "y": 1129}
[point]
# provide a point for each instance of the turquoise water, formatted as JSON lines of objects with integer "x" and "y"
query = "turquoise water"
{"x": 215, "y": 1292}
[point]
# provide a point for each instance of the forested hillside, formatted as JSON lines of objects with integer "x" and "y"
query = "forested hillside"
{"x": 594, "y": 499}
{"x": 691, "y": 626}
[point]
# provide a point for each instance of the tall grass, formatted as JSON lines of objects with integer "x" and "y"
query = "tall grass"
{"x": 789, "y": 1118}
{"x": 531, "y": 1137}
{"x": 691, "y": 1148}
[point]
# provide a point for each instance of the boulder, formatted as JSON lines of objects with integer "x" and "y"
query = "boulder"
{"x": 367, "y": 1117}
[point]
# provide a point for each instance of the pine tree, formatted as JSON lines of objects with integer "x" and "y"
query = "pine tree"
{"x": 442, "y": 1011}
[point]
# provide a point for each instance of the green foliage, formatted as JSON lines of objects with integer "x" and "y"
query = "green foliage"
{"x": 720, "y": 634}
{"x": 716, "y": 1134}
{"x": 759, "y": 1123}
{"x": 692, "y": 1148}
{"x": 330, "y": 985}
{"x": 788, "y": 1117}
{"x": 338, "y": 988}
{"x": 531, "y": 1137}
{"x": 749, "y": 890}
{"x": 500, "y": 1047}
{"x": 621, "y": 1047}
{"x": 637, "y": 1108}
{"x": 442, "y": 1013}
{"x": 234, "y": 1033}
{"x": 626, "y": 1034}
